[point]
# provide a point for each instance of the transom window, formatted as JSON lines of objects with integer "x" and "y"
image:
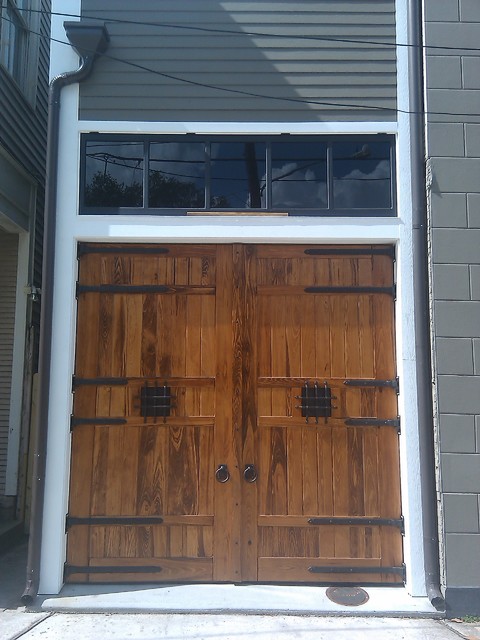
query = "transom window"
{"x": 296, "y": 175}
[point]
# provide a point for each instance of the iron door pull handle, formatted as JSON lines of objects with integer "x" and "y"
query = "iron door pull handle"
{"x": 222, "y": 474}
{"x": 250, "y": 473}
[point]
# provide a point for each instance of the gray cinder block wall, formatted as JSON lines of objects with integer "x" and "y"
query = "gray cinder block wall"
{"x": 453, "y": 150}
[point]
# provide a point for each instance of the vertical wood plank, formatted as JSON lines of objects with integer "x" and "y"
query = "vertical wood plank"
{"x": 227, "y": 560}
{"x": 250, "y": 408}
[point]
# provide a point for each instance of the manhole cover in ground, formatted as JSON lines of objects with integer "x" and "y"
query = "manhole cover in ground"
{"x": 348, "y": 596}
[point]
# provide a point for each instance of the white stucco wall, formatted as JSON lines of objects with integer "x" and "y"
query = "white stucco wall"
{"x": 71, "y": 228}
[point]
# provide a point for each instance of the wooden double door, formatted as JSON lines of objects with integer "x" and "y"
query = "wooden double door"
{"x": 235, "y": 416}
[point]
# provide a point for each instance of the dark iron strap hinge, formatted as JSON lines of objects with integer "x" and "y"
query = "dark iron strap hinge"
{"x": 364, "y": 382}
{"x": 98, "y": 422}
{"x": 363, "y": 521}
{"x": 386, "y": 250}
{"x": 108, "y": 382}
{"x": 105, "y": 521}
{"x": 123, "y": 288}
{"x": 400, "y": 570}
{"x": 373, "y": 422}
{"x": 70, "y": 569}
{"x": 85, "y": 248}
{"x": 392, "y": 290}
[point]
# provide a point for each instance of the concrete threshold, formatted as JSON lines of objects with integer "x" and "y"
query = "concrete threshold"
{"x": 231, "y": 598}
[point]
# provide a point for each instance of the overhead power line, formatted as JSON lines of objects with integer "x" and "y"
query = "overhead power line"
{"x": 166, "y": 25}
{"x": 252, "y": 94}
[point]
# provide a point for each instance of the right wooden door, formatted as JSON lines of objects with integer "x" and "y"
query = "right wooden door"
{"x": 321, "y": 486}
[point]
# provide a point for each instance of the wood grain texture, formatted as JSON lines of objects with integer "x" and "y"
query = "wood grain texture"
{"x": 235, "y": 338}
{"x": 146, "y": 466}
{"x": 326, "y": 468}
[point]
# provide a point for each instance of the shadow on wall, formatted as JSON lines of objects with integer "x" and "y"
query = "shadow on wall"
{"x": 191, "y": 64}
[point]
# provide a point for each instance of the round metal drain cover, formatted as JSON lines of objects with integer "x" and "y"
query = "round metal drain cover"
{"x": 347, "y": 596}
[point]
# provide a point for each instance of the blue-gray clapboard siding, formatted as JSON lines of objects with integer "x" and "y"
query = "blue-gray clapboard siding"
{"x": 23, "y": 132}
{"x": 8, "y": 277}
{"x": 303, "y": 55}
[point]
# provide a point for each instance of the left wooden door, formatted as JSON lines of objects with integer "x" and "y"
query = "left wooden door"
{"x": 152, "y": 383}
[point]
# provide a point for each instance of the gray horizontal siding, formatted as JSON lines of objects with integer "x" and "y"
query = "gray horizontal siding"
{"x": 290, "y": 53}
{"x": 8, "y": 280}
{"x": 23, "y": 133}
{"x": 23, "y": 125}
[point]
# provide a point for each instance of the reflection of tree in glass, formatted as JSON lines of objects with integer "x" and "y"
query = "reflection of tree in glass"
{"x": 220, "y": 202}
{"x": 165, "y": 191}
{"x": 105, "y": 191}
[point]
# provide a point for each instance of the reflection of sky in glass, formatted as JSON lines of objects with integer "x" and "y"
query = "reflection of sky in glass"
{"x": 361, "y": 175}
{"x": 299, "y": 175}
{"x": 233, "y": 174}
{"x": 115, "y": 168}
{"x": 122, "y": 160}
{"x": 236, "y": 172}
{"x": 177, "y": 174}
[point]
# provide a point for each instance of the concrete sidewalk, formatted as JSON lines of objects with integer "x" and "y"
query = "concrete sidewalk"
{"x": 48, "y": 622}
{"x": 19, "y": 624}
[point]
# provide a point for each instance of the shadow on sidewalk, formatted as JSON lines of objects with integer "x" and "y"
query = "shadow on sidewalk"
{"x": 12, "y": 574}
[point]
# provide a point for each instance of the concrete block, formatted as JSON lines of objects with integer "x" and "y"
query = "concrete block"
{"x": 445, "y": 139}
{"x": 457, "y": 433}
{"x": 453, "y": 105}
{"x": 475, "y": 282}
{"x": 462, "y": 554}
{"x": 456, "y": 246}
{"x": 453, "y": 34}
{"x": 454, "y": 356}
{"x": 460, "y": 473}
{"x": 473, "y": 209}
{"x": 438, "y": 11}
{"x": 451, "y": 282}
{"x": 448, "y": 210}
{"x": 471, "y": 70}
{"x": 472, "y": 140}
{"x": 476, "y": 357}
{"x": 469, "y": 10}
{"x": 444, "y": 72}
{"x": 460, "y": 511}
{"x": 457, "y": 320}
{"x": 459, "y": 394}
{"x": 458, "y": 175}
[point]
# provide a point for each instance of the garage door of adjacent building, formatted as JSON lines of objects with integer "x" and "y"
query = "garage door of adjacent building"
{"x": 235, "y": 416}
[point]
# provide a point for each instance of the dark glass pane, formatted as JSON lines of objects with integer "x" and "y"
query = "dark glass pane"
{"x": 14, "y": 49}
{"x": 113, "y": 174}
{"x": 237, "y": 175}
{"x": 299, "y": 175}
{"x": 361, "y": 175}
{"x": 177, "y": 175}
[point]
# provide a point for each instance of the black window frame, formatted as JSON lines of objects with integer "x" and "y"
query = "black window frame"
{"x": 329, "y": 140}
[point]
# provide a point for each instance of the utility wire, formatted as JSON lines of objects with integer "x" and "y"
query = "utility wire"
{"x": 108, "y": 19}
{"x": 253, "y": 94}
